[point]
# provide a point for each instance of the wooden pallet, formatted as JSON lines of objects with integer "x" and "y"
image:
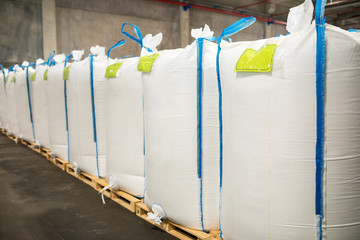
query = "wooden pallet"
{"x": 3, "y": 131}
{"x": 176, "y": 230}
{"x": 100, "y": 184}
{"x": 88, "y": 179}
{"x": 36, "y": 148}
{"x": 70, "y": 170}
{"x": 31, "y": 144}
{"x": 14, "y": 138}
{"x": 26, "y": 143}
{"x": 46, "y": 153}
{"x": 125, "y": 199}
{"x": 60, "y": 163}
{"x": 84, "y": 177}
{"x": 122, "y": 198}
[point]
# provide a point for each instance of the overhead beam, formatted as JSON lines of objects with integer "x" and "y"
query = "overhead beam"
{"x": 253, "y": 4}
{"x": 342, "y": 6}
{"x": 220, "y": 11}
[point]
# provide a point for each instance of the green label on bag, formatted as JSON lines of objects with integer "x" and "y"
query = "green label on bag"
{"x": 66, "y": 73}
{"x": 45, "y": 74}
{"x": 146, "y": 63}
{"x": 112, "y": 70}
{"x": 257, "y": 61}
{"x": 32, "y": 78}
{"x": 6, "y": 79}
{"x": 13, "y": 78}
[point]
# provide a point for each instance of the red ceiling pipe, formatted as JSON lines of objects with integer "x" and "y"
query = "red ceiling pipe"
{"x": 283, "y": 13}
{"x": 174, "y": 2}
{"x": 254, "y": 4}
{"x": 266, "y": 1}
{"x": 220, "y": 11}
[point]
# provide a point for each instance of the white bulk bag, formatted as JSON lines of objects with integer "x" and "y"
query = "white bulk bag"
{"x": 56, "y": 108}
{"x": 178, "y": 186}
{"x": 125, "y": 167}
{"x": 11, "y": 101}
{"x": 87, "y": 153}
{"x": 269, "y": 139}
{"x": 23, "y": 101}
{"x": 3, "y": 97}
{"x": 39, "y": 105}
{"x": 125, "y": 150}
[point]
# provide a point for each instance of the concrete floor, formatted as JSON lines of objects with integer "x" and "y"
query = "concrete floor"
{"x": 38, "y": 201}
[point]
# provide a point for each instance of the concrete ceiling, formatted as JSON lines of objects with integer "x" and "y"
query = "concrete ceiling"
{"x": 342, "y": 13}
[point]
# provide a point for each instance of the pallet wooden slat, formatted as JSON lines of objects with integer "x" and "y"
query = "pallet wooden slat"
{"x": 46, "y": 153}
{"x": 100, "y": 184}
{"x": 176, "y": 230}
{"x": 3, "y": 131}
{"x": 26, "y": 143}
{"x": 70, "y": 170}
{"x": 14, "y": 138}
{"x": 88, "y": 179}
{"x": 124, "y": 199}
{"x": 60, "y": 163}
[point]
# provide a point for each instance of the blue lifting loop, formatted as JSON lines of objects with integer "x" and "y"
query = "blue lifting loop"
{"x": 138, "y": 38}
{"x": 226, "y": 33}
{"x": 118, "y": 44}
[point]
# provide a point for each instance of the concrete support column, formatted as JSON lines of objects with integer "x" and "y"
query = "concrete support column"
{"x": 49, "y": 26}
{"x": 270, "y": 9}
{"x": 268, "y": 31}
{"x": 184, "y": 26}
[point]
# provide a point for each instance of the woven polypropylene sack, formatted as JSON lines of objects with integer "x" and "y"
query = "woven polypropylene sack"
{"x": 40, "y": 107}
{"x": 22, "y": 105}
{"x": 125, "y": 139}
{"x": 171, "y": 137}
{"x": 11, "y": 103}
{"x": 56, "y": 111}
{"x": 81, "y": 124}
{"x": 269, "y": 140}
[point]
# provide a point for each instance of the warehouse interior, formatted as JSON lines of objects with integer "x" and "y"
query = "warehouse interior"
{"x": 209, "y": 119}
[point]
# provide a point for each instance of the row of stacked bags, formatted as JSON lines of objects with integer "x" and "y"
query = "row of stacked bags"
{"x": 216, "y": 135}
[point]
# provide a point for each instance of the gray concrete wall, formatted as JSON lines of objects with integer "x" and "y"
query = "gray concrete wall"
{"x": 81, "y": 24}
{"x": 218, "y": 21}
{"x": 20, "y": 31}
{"x": 84, "y": 23}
